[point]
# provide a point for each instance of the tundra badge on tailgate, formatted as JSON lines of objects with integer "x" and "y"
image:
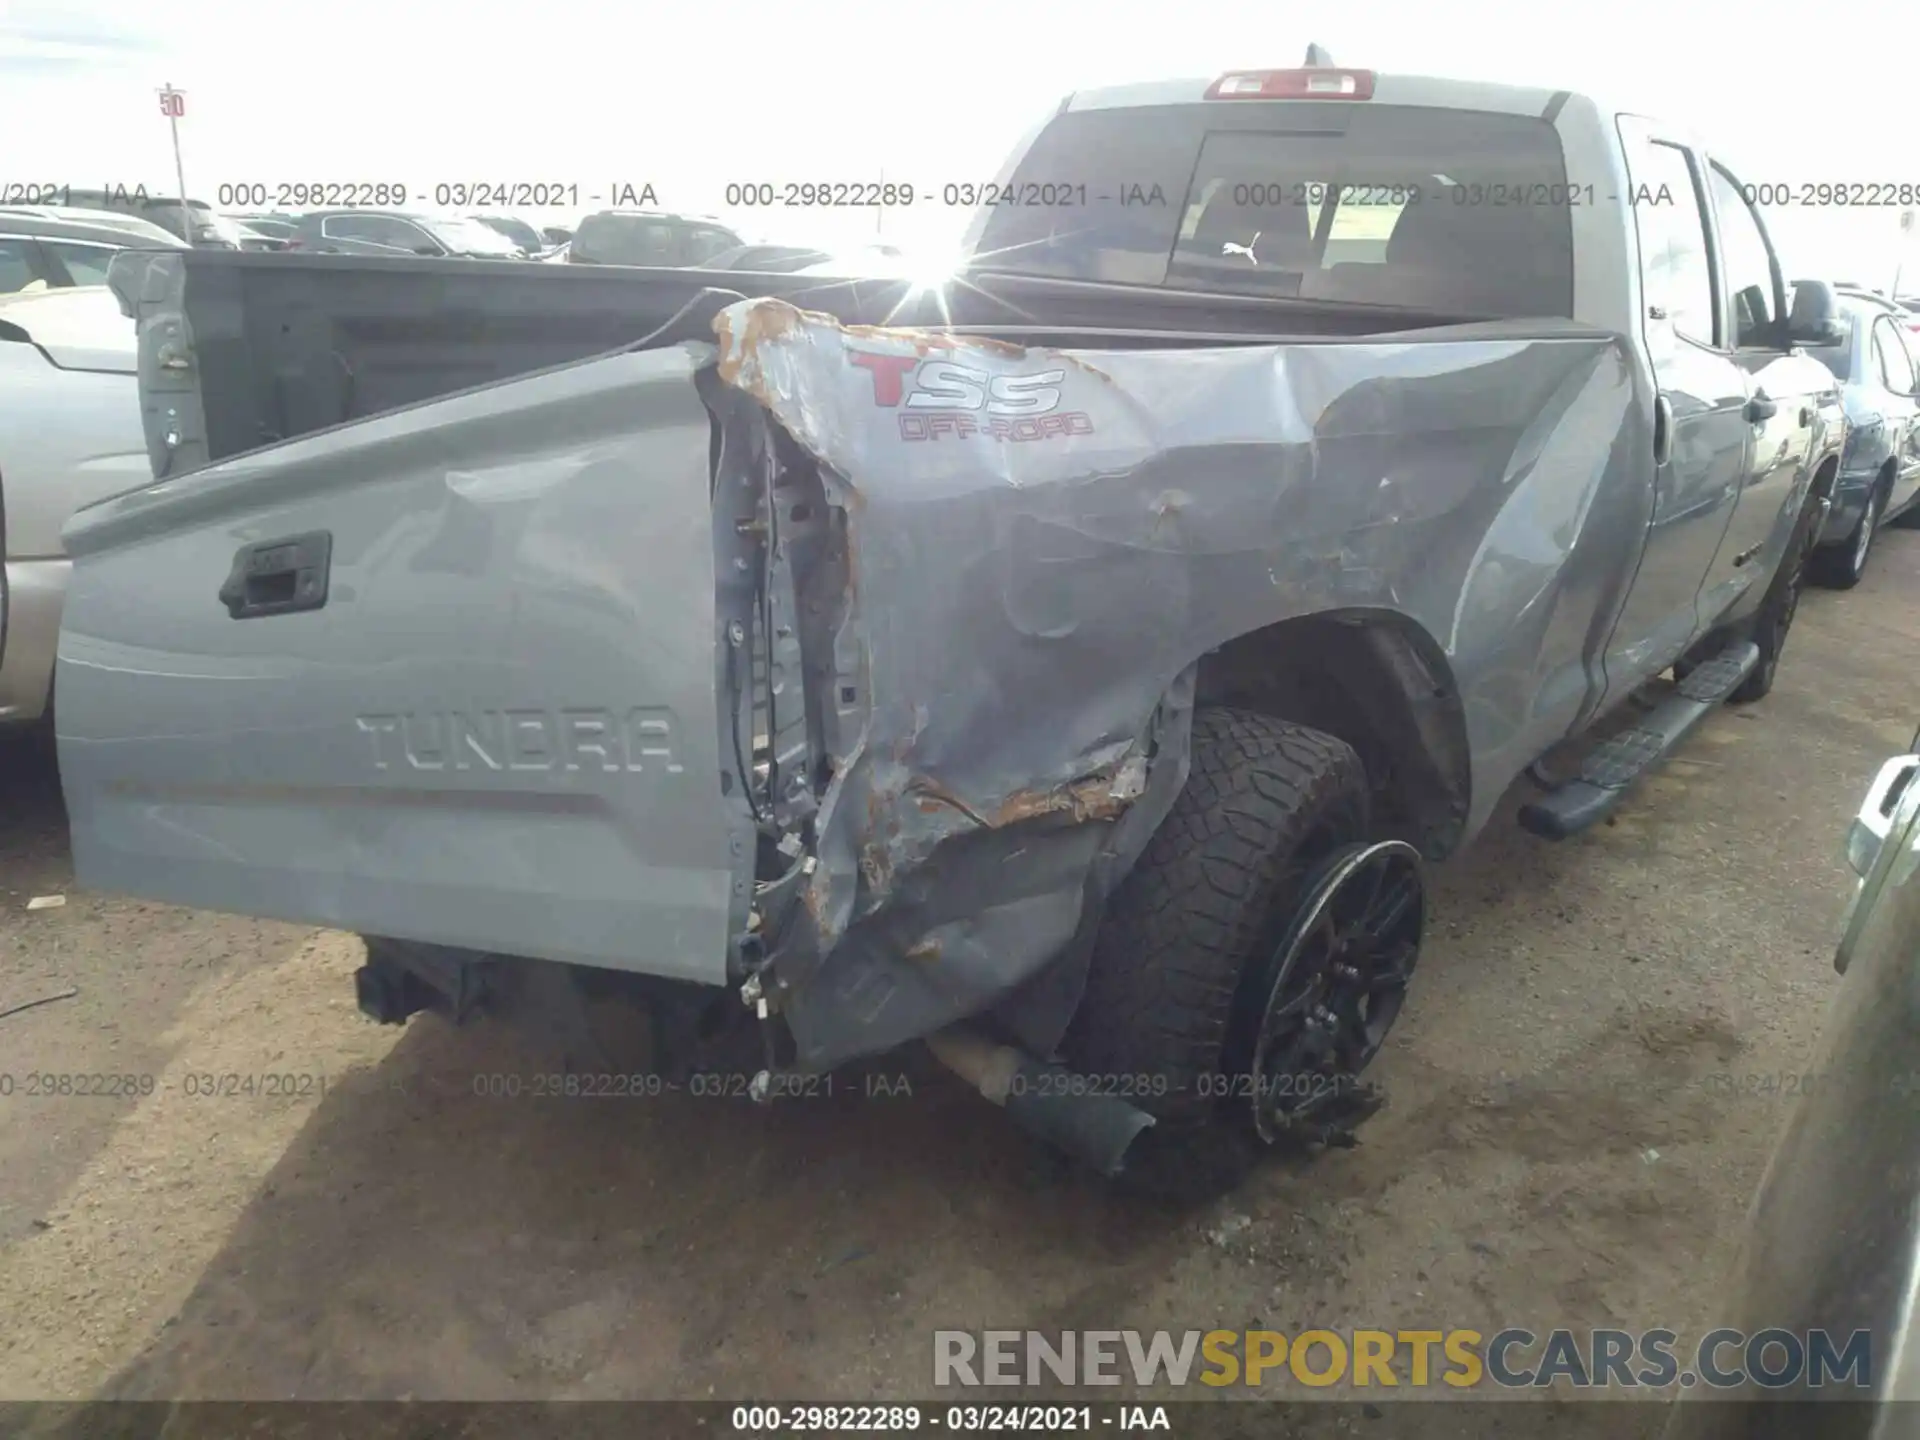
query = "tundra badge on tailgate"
{"x": 575, "y": 739}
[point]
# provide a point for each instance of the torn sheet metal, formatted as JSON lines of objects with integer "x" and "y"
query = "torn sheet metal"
{"x": 1043, "y": 544}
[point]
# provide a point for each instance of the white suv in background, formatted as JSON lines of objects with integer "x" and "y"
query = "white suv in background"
{"x": 70, "y": 434}
{"x": 45, "y": 248}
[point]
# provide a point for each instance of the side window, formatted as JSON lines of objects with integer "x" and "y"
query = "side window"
{"x": 1895, "y": 365}
{"x": 87, "y": 264}
{"x": 405, "y": 234}
{"x": 653, "y": 242}
{"x": 1743, "y": 250}
{"x": 627, "y": 240}
{"x": 703, "y": 243}
{"x": 380, "y": 229}
{"x": 17, "y": 270}
{"x": 1675, "y": 270}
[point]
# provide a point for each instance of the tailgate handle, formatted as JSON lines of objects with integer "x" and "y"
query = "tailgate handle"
{"x": 278, "y": 577}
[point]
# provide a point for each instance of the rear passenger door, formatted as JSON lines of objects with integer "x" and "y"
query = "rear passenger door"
{"x": 1700, "y": 435}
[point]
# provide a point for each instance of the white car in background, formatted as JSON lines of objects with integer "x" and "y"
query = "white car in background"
{"x": 70, "y": 434}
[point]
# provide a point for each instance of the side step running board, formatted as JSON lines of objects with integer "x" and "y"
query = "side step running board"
{"x": 1612, "y": 768}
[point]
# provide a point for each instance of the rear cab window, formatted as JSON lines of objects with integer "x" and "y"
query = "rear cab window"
{"x": 1449, "y": 211}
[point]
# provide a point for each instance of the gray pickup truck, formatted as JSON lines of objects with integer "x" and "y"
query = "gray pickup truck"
{"x": 1073, "y": 665}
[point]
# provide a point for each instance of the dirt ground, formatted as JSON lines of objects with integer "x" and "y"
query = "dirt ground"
{"x": 1563, "y": 1142}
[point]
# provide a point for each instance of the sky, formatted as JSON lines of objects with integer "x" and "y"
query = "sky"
{"x": 690, "y": 97}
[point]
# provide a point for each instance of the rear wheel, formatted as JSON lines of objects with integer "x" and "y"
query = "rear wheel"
{"x": 1251, "y": 964}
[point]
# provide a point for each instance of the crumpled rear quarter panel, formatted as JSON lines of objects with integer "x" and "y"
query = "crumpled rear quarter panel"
{"x": 1031, "y": 585}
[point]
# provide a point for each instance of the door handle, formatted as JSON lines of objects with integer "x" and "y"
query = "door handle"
{"x": 1874, "y": 821}
{"x": 1761, "y": 408}
{"x": 279, "y": 577}
{"x": 1662, "y": 430}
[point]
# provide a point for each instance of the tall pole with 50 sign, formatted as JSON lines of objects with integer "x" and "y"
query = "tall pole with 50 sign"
{"x": 173, "y": 104}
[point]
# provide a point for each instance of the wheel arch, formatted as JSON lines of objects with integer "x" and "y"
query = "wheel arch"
{"x": 1376, "y": 679}
{"x": 1826, "y": 475}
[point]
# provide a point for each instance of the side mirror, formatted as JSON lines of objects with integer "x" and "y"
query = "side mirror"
{"x": 1815, "y": 319}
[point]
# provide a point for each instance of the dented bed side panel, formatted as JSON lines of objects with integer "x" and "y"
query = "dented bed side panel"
{"x": 1042, "y": 545}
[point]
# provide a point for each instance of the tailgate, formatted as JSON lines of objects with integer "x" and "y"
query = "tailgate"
{"x": 499, "y": 731}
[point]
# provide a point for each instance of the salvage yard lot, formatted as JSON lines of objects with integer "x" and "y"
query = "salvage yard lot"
{"x": 1580, "y": 1098}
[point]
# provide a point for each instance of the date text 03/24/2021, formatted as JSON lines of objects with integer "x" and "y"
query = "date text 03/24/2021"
{"x": 365, "y": 194}
{"x": 960, "y": 1419}
{"x": 194, "y": 1085}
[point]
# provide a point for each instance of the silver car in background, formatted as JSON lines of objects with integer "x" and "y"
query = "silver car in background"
{"x": 1876, "y": 363}
{"x": 70, "y": 434}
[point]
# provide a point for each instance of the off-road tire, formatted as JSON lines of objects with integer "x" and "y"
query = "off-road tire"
{"x": 1839, "y": 566}
{"x": 1188, "y": 939}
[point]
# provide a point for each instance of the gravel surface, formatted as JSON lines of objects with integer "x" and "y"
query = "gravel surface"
{"x": 1577, "y": 1115}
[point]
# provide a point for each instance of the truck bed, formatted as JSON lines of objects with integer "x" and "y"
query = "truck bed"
{"x": 281, "y": 345}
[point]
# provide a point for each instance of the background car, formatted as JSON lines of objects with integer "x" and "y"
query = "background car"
{"x": 113, "y": 219}
{"x": 648, "y": 237}
{"x": 39, "y": 252}
{"x": 273, "y": 227}
{"x": 876, "y": 261}
{"x": 1880, "y": 467}
{"x": 255, "y": 240}
{"x": 767, "y": 259}
{"x": 198, "y": 223}
{"x": 70, "y": 434}
{"x": 517, "y": 230}
{"x": 399, "y": 232}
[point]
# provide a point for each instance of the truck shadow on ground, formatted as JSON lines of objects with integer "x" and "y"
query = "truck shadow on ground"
{"x": 121, "y": 974}
{"x": 427, "y": 1232}
{"x": 619, "y": 1246}
{"x": 33, "y": 818}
